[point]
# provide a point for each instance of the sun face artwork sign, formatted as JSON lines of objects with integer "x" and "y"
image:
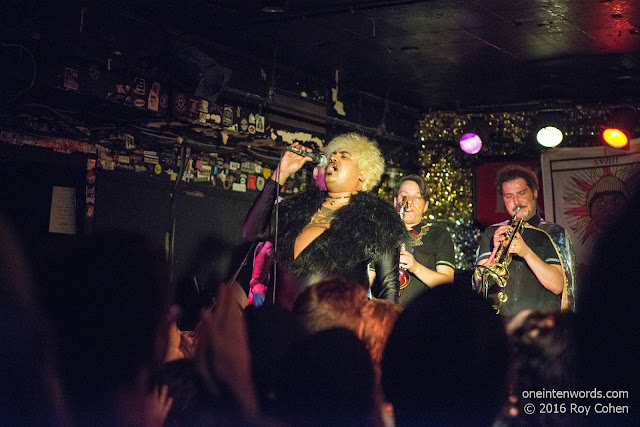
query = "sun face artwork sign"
{"x": 586, "y": 189}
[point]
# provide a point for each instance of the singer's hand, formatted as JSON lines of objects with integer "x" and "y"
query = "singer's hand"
{"x": 257, "y": 294}
{"x": 290, "y": 164}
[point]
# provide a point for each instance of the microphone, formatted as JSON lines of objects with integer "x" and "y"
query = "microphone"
{"x": 319, "y": 159}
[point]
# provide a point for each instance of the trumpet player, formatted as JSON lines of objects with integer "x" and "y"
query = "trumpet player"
{"x": 430, "y": 262}
{"x": 541, "y": 261}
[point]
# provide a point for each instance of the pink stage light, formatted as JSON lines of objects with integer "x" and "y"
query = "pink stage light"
{"x": 470, "y": 143}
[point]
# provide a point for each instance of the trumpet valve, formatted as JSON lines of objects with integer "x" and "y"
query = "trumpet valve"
{"x": 502, "y": 297}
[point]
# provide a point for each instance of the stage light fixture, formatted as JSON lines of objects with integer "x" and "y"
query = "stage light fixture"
{"x": 624, "y": 122}
{"x": 615, "y": 137}
{"x": 470, "y": 143}
{"x": 549, "y": 136}
{"x": 476, "y": 131}
{"x": 548, "y": 127}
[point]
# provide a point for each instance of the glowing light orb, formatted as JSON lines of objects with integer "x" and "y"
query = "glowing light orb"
{"x": 470, "y": 143}
{"x": 615, "y": 138}
{"x": 549, "y": 136}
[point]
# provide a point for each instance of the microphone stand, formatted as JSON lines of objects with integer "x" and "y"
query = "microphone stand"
{"x": 242, "y": 264}
{"x": 275, "y": 236}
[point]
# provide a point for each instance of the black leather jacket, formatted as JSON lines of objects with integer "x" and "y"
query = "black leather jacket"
{"x": 366, "y": 230}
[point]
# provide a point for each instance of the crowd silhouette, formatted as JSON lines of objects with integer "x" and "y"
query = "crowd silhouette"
{"x": 91, "y": 338}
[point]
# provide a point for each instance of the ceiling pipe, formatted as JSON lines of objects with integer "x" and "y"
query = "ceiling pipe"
{"x": 335, "y": 10}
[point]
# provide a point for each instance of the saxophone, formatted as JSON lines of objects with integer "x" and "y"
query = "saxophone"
{"x": 405, "y": 277}
{"x": 497, "y": 272}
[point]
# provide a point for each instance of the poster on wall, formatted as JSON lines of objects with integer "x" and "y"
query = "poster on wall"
{"x": 585, "y": 190}
{"x": 62, "y": 215}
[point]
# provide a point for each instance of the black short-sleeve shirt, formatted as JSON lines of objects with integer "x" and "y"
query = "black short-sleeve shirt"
{"x": 436, "y": 249}
{"x": 523, "y": 289}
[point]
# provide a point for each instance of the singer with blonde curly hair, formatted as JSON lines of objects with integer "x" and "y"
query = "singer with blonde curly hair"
{"x": 335, "y": 233}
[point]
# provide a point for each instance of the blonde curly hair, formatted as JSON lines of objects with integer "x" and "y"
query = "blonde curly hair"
{"x": 367, "y": 152}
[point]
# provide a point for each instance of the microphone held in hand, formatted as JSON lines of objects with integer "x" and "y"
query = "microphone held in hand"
{"x": 319, "y": 159}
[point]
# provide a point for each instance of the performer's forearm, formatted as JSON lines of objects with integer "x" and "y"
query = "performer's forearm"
{"x": 258, "y": 220}
{"x": 549, "y": 275}
{"x": 443, "y": 274}
{"x": 386, "y": 283}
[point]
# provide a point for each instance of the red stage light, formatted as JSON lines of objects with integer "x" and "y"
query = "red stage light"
{"x": 615, "y": 137}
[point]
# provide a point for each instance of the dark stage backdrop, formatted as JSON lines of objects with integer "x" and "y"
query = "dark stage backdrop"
{"x": 208, "y": 247}
{"x": 30, "y": 178}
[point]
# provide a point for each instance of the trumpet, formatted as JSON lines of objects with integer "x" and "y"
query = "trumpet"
{"x": 497, "y": 272}
{"x": 405, "y": 277}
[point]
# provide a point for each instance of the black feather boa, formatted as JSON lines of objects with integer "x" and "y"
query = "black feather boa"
{"x": 360, "y": 231}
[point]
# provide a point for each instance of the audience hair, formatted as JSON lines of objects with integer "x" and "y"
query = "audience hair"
{"x": 30, "y": 383}
{"x": 327, "y": 379}
{"x": 271, "y": 330}
{"x": 331, "y": 303}
{"x": 112, "y": 297}
{"x": 607, "y": 321}
{"x": 379, "y": 317}
{"x": 543, "y": 359}
{"x": 544, "y": 350}
{"x": 446, "y": 360}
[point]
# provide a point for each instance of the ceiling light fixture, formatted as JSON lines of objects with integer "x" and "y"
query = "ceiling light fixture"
{"x": 549, "y": 127}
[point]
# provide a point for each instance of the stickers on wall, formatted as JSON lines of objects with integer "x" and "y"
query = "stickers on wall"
{"x": 153, "y": 103}
{"x": 251, "y": 182}
{"x": 259, "y": 123}
{"x": 227, "y": 116}
{"x": 248, "y": 167}
{"x": 180, "y": 104}
{"x": 252, "y": 124}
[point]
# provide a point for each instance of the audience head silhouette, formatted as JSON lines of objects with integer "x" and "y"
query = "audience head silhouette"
{"x": 333, "y": 303}
{"x": 607, "y": 323}
{"x": 446, "y": 360}
{"x": 327, "y": 379}
{"x": 111, "y": 299}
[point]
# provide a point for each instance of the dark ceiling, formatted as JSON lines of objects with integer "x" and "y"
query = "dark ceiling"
{"x": 439, "y": 53}
{"x": 422, "y": 54}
